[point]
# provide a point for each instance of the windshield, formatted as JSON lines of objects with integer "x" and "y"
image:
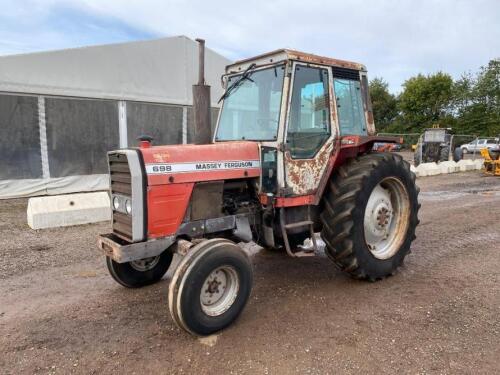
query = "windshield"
{"x": 251, "y": 110}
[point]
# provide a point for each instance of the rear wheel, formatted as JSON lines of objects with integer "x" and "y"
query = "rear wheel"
{"x": 141, "y": 272}
{"x": 370, "y": 215}
{"x": 444, "y": 154}
{"x": 210, "y": 287}
{"x": 417, "y": 158}
{"x": 458, "y": 154}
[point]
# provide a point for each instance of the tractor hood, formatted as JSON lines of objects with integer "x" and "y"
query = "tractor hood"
{"x": 194, "y": 163}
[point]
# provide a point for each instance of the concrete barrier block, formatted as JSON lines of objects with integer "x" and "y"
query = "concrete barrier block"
{"x": 448, "y": 167}
{"x": 428, "y": 169}
{"x": 478, "y": 164}
{"x": 466, "y": 165}
{"x": 70, "y": 209}
{"x": 413, "y": 169}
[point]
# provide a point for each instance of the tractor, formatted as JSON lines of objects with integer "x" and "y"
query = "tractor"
{"x": 436, "y": 145}
{"x": 433, "y": 146}
{"x": 290, "y": 158}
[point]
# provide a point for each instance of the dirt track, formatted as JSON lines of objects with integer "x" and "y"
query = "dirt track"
{"x": 60, "y": 312}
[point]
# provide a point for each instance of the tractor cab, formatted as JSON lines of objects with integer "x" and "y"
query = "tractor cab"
{"x": 298, "y": 107}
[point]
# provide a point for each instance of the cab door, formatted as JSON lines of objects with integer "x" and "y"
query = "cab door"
{"x": 310, "y": 129}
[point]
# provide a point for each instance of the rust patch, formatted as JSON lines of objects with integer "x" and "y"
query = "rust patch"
{"x": 315, "y": 59}
{"x": 304, "y": 175}
{"x": 302, "y": 56}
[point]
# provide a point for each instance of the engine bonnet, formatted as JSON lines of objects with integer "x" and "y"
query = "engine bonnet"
{"x": 195, "y": 163}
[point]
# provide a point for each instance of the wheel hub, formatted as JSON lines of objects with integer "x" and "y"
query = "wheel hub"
{"x": 145, "y": 264}
{"x": 383, "y": 216}
{"x": 386, "y": 217}
{"x": 219, "y": 291}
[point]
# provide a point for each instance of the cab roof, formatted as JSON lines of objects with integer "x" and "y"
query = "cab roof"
{"x": 279, "y": 55}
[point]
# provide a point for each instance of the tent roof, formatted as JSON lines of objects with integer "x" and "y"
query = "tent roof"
{"x": 161, "y": 70}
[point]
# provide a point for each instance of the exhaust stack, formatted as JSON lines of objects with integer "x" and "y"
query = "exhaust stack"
{"x": 201, "y": 101}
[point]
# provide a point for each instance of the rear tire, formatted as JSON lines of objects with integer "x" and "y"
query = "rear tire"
{"x": 210, "y": 287}
{"x": 370, "y": 215}
{"x": 444, "y": 154}
{"x": 458, "y": 154}
{"x": 417, "y": 159}
{"x": 142, "y": 272}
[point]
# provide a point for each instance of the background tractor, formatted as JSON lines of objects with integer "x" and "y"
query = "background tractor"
{"x": 436, "y": 145}
{"x": 291, "y": 156}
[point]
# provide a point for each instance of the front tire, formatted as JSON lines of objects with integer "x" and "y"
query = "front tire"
{"x": 210, "y": 287}
{"x": 370, "y": 215}
{"x": 141, "y": 272}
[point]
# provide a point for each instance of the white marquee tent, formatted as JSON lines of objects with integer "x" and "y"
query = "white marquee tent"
{"x": 61, "y": 111}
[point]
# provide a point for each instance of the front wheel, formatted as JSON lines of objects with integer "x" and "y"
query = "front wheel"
{"x": 141, "y": 272}
{"x": 210, "y": 287}
{"x": 370, "y": 215}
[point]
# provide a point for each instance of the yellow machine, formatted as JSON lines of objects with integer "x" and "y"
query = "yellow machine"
{"x": 491, "y": 166}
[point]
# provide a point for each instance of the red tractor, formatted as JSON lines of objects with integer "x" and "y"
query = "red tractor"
{"x": 291, "y": 156}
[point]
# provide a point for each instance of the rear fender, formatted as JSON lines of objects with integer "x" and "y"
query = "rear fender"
{"x": 350, "y": 147}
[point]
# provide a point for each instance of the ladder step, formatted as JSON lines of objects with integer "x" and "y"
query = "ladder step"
{"x": 298, "y": 224}
{"x": 302, "y": 253}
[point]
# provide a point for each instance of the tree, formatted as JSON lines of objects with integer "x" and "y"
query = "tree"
{"x": 426, "y": 100}
{"x": 383, "y": 103}
{"x": 477, "y": 101}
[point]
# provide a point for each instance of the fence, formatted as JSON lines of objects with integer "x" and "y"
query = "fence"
{"x": 457, "y": 140}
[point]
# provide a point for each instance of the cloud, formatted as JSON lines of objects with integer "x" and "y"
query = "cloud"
{"x": 30, "y": 26}
{"x": 394, "y": 39}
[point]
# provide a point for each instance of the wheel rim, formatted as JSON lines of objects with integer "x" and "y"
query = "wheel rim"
{"x": 219, "y": 290}
{"x": 145, "y": 264}
{"x": 386, "y": 218}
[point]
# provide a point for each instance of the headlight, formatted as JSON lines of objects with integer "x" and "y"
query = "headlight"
{"x": 116, "y": 203}
{"x": 128, "y": 206}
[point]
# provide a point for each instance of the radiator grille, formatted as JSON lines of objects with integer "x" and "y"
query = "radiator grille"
{"x": 121, "y": 183}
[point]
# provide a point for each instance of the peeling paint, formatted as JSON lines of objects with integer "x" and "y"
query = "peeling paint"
{"x": 304, "y": 175}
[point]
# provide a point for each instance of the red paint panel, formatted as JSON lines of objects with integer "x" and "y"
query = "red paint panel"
{"x": 167, "y": 206}
{"x": 302, "y": 200}
{"x": 216, "y": 152}
{"x": 202, "y": 176}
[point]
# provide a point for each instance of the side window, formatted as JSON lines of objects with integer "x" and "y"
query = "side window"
{"x": 309, "y": 123}
{"x": 350, "y": 107}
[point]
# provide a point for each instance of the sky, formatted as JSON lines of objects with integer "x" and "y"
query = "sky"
{"x": 394, "y": 39}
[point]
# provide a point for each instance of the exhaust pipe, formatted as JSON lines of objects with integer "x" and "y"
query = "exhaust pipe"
{"x": 201, "y": 101}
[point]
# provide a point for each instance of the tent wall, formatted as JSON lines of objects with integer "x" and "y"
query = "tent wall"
{"x": 20, "y": 155}
{"x": 152, "y": 119}
{"x": 79, "y": 133}
{"x": 58, "y": 145}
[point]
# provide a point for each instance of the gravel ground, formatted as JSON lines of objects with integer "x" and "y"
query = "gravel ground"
{"x": 61, "y": 313}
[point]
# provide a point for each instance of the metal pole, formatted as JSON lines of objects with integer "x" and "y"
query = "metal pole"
{"x": 201, "y": 61}
{"x": 475, "y": 147}
{"x": 201, "y": 102}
